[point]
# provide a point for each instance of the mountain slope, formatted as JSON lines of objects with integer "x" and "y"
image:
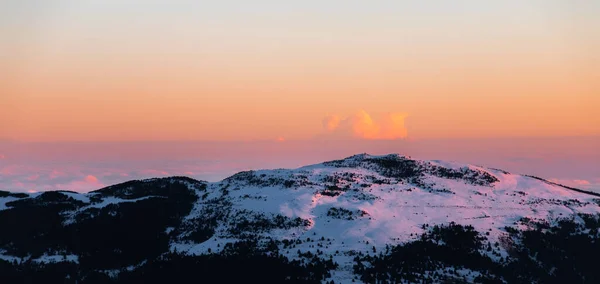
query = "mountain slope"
{"x": 339, "y": 217}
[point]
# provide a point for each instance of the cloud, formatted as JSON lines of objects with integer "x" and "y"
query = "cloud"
{"x": 91, "y": 179}
{"x": 33, "y": 177}
{"x": 331, "y": 122}
{"x": 56, "y": 174}
{"x": 153, "y": 173}
{"x": 88, "y": 183}
{"x": 362, "y": 126}
{"x": 570, "y": 182}
{"x": 592, "y": 184}
{"x": 582, "y": 182}
{"x": 13, "y": 170}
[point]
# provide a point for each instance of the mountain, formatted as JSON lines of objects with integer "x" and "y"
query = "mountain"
{"x": 365, "y": 218}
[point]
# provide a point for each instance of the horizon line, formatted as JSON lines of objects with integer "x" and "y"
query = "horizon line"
{"x": 275, "y": 140}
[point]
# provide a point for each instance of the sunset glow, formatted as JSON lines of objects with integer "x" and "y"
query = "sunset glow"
{"x": 148, "y": 71}
{"x": 110, "y": 71}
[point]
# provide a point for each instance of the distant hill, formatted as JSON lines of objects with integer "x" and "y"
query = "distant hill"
{"x": 374, "y": 219}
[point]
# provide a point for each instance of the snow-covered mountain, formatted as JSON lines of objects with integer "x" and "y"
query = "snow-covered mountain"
{"x": 341, "y": 221}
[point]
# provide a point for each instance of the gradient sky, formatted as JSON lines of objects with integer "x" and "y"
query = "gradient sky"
{"x": 122, "y": 71}
{"x": 239, "y": 70}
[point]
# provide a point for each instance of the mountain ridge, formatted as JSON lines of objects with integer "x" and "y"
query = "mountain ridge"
{"x": 4, "y": 193}
{"x": 338, "y": 217}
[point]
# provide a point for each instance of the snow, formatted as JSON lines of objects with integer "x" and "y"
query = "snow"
{"x": 77, "y": 196}
{"x": 45, "y": 258}
{"x": 4, "y": 200}
{"x": 396, "y": 212}
{"x": 70, "y": 216}
{"x": 114, "y": 273}
{"x": 114, "y": 200}
{"x": 396, "y": 209}
{"x": 57, "y": 258}
{"x": 9, "y": 258}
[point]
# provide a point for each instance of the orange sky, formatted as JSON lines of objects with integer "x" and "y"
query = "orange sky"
{"x": 114, "y": 72}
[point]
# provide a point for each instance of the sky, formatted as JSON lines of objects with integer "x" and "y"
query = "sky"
{"x": 206, "y": 77}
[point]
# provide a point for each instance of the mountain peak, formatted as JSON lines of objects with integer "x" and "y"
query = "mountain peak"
{"x": 333, "y": 211}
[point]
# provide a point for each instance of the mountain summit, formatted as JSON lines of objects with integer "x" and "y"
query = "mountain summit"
{"x": 360, "y": 219}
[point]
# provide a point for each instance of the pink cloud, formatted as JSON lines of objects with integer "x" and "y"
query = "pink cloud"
{"x": 13, "y": 170}
{"x": 67, "y": 166}
{"x": 33, "y": 177}
{"x": 56, "y": 174}
{"x": 91, "y": 179}
{"x": 154, "y": 172}
{"x": 569, "y": 182}
{"x": 90, "y": 182}
{"x": 592, "y": 184}
{"x": 581, "y": 182}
